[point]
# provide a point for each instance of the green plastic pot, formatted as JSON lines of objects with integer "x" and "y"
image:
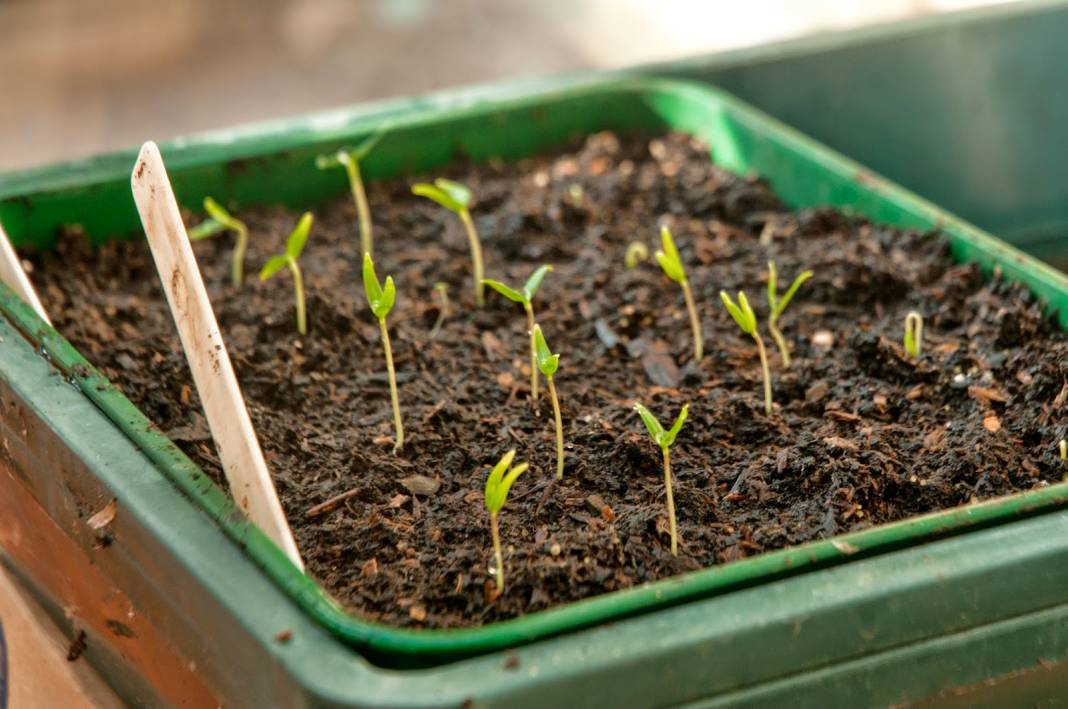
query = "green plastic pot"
{"x": 723, "y": 630}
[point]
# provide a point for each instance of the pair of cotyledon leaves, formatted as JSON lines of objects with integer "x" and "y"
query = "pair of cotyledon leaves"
{"x": 219, "y": 220}
{"x": 663, "y": 438}
{"x": 451, "y": 195}
{"x": 499, "y": 483}
{"x": 346, "y": 157}
{"x": 379, "y": 297}
{"x": 294, "y": 247}
{"x": 529, "y": 290}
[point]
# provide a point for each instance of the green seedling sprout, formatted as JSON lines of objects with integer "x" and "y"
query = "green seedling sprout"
{"x": 525, "y": 297}
{"x": 218, "y": 221}
{"x": 498, "y": 484}
{"x": 381, "y": 298}
{"x": 777, "y": 305}
{"x": 668, "y": 258}
{"x": 442, "y": 289}
{"x": 665, "y": 439}
{"x": 913, "y": 340}
{"x": 350, "y": 160}
{"x": 548, "y": 363}
{"x": 457, "y": 199}
{"x": 636, "y": 253}
{"x": 745, "y": 317}
{"x": 294, "y": 246}
{"x": 1064, "y": 451}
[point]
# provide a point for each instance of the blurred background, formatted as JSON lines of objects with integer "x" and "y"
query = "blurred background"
{"x": 83, "y": 77}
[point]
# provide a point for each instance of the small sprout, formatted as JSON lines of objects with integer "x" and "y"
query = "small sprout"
{"x": 219, "y": 220}
{"x": 668, "y": 258}
{"x": 665, "y": 439}
{"x": 442, "y": 289}
{"x": 1064, "y": 451}
{"x": 294, "y": 246}
{"x": 350, "y": 160}
{"x": 498, "y": 484}
{"x": 636, "y": 253}
{"x": 525, "y": 297}
{"x": 577, "y": 194}
{"x": 913, "y": 334}
{"x": 745, "y": 317}
{"x": 548, "y": 363}
{"x": 457, "y": 199}
{"x": 777, "y": 306}
{"x": 381, "y": 298}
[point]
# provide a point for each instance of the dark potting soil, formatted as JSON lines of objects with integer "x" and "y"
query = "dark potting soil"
{"x": 860, "y": 434}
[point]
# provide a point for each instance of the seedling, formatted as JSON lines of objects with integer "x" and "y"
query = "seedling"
{"x": 218, "y": 221}
{"x": 457, "y": 199}
{"x": 442, "y": 289}
{"x": 668, "y": 258}
{"x": 525, "y": 297}
{"x": 294, "y": 246}
{"x": 1064, "y": 451}
{"x": 745, "y": 317}
{"x": 350, "y": 160}
{"x": 665, "y": 439}
{"x": 381, "y": 298}
{"x": 636, "y": 253}
{"x": 498, "y": 484}
{"x": 777, "y": 305}
{"x": 913, "y": 340}
{"x": 548, "y": 363}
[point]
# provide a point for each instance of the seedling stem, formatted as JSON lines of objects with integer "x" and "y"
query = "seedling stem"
{"x": 350, "y": 160}
{"x": 498, "y": 484}
{"x": 457, "y": 199}
{"x": 381, "y": 299}
{"x": 549, "y": 363}
{"x": 220, "y": 220}
{"x": 913, "y": 340}
{"x": 665, "y": 439}
{"x": 671, "y": 263}
{"x": 525, "y": 297}
{"x": 777, "y": 305}
{"x": 745, "y": 317}
{"x": 289, "y": 258}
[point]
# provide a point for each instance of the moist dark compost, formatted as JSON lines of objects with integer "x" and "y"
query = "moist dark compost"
{"x": 861, "y": 434}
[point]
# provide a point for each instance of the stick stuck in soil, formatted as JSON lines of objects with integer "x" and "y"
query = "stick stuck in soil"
{"x": 239, "y": 450}
{"x": 15, "y": 278}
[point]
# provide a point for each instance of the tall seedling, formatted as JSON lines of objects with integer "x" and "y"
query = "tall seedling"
{"x": 381, "y": 299}
{"x": 525, "y": 297}
{"x": 457, "y": 199}
{"x": 289, "y": 258}
{"x": 350, "y": 160}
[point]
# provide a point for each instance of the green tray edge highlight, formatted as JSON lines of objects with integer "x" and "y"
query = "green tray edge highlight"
{"x": 742, "y": 140}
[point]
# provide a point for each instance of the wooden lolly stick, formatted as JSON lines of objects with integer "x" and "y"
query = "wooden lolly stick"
{"x": 231, "y": 427}
{"x": 15, "y": 278}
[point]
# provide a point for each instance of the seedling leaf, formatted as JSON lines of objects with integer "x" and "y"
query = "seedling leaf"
{"x": 273, "y": 266}
{"x": 636, "y": 251}
{"x": 742, "y": 312}
{"x": 506, "y": 291}
{"x": 656, "y": 431}
{"x": 216, "y": 212}
{"x": 431, "y": 192}
{"x": 780, "y": 306}
{"x": 668, "y": 257}
{"x": 547, "y": 361}
{"x": 208, "y": 227}
{"x": 380, "y": 299}
{"x": 299, "y": 236}
{"x": 530, "y": 288}
{"x": 458, "y": 193}
{"x": 668, "y": 438}
{"x": 499, "y": 483}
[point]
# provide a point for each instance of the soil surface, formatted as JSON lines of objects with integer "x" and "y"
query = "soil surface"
{"x": 860, "y": 434}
